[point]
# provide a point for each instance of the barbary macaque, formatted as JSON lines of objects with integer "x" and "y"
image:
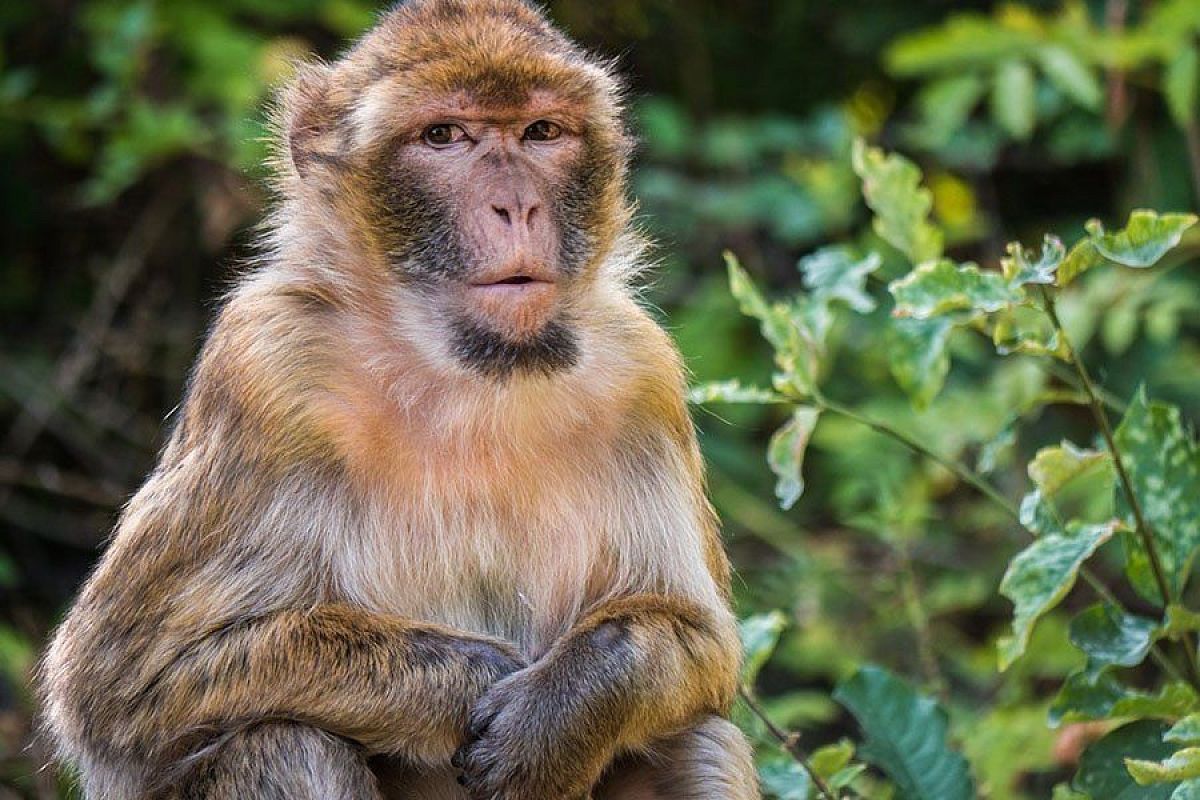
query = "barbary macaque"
{"x": 431, "y": 522}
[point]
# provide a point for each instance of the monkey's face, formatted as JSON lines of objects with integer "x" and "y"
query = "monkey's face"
{"x": 493, "y": 155}
{"x": 490, "y": 212}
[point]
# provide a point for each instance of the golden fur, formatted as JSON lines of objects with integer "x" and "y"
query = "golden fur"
{"x": 349, "y": 535}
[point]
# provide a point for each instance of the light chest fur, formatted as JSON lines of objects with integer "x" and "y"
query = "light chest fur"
{"x": 510, "y": 509}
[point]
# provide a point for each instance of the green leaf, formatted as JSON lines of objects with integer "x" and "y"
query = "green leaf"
{"x": 1185, "y": 730}
{"x": 1019, "y": 269}
{"x": 945, "y": 105}
{"x": 1102, "y": 772}
{"x": 1162, "y": 459}
{"x": 833, "y": 274}
{"x": 1188, "y": 790}
{"x": 1110, "y": 637}
{"x": 759, "y": 634}
{"x": 782, "y": 325}
{"x": 832, "y": 758}
{"x": 1180, "y": 766}
{"x": 1040, "y": 577}
{"x": 785, "y": 780}
{"x": 1071, "y": 76}
{"x": 1181, "y": 84}
{"x": 1145, "y": 239}
{"x": 1021, "y": 329}
{"x": 1172, "y": 701}
{"x": 918, "y": 357}
{"x": 1081, "y": 258}
{"x": 1180, "y": 621}
{"x": 1055, "y": 467}
{"x": 939, "y": 287}
{"x": 1013, "y": 104}
{"x": 785, "y": 454}
{"x": 891, "y": 185}
{"x": 905, "y": 736}
{"x": 732, "y": 391}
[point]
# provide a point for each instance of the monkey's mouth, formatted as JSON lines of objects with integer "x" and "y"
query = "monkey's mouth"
{"x": 518, "y": 303}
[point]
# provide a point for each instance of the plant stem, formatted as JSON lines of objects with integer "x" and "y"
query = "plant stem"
{"x": 1144, "y": 532}
{"x": 919, "y": 619}
{"x": 1101, "y": 417}
{"x": 789, "y": 741}
{"x": 961, "y": 472}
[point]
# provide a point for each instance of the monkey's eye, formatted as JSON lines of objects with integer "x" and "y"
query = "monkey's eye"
{"x": 443, "y": 134}
{"x": 542, "y": 131}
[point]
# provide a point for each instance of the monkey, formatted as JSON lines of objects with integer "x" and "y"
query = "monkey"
{"x": 431, "y": 520}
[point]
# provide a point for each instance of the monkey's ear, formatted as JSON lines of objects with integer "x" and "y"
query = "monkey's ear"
{"x": 308, "y": 120}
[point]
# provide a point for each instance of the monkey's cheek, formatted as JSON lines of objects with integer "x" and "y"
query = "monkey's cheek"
{"x": 518, "y": 311}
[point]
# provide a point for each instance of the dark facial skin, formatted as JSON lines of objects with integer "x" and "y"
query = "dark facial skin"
{"x": 488, "y": 205}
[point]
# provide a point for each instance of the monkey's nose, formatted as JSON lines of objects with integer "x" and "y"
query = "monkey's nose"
{"x": 516, "y": 214}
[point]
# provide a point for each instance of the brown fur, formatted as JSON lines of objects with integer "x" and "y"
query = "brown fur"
{"x": 357, "y": 560}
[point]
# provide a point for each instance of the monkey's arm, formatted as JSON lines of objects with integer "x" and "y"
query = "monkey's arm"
{"x": 394, "y": 686}
{"x": 636, "y": 668}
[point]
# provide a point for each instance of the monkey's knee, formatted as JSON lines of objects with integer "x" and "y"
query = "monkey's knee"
{"x": 279, "y": 761}
{"x": 710, "y": 761}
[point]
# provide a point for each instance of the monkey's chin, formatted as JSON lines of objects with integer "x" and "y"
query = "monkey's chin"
{"x": 518, "y": 308}
{"x": 553, "y": 348}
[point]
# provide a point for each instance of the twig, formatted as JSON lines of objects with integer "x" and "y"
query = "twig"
{"x": 788, "y": 740}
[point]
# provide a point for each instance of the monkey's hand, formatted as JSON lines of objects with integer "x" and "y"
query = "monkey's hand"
{"x": 524, "y": 742}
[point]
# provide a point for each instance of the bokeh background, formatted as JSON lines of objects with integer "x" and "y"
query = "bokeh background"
{"x": 131, "y": 144}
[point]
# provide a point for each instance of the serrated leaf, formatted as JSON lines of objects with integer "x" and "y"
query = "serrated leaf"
{"x": 1040, "y": 577}
{"x": 1145, "y": 239}
{"x": 1181, "y": 85}
{"x": 1171, "y": 701}
{"x": 918, "y": 357}
{"x": 1111, "y": 637}
{"x": 785, "y": 454}
{"x": 1071, "y": 76}
{"x": 1102, "y": 772}
{"x": 939, "y": 287}
{"x": 785, "y": 780}
{"x": 1162, "y": 459}
{"x": 1180, "y": 766}
{"x": 1019, "y": 268}
{"x": 759, "y": 634}
{"x": 732, "y": 391}
{"x": 1013, "y": 105}
{"x": 891, "y": 185}
{"x": 1185, "y": 730}
{"x": 781, "y": 325}
{"x": 834, "y": 274}
{"x": 1053, "y": 468}
{"x": 905, "y": 736}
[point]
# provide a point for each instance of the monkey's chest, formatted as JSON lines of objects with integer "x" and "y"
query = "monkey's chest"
{"x": 524, "y": 573}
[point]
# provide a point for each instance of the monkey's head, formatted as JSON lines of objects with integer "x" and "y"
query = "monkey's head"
{"x": 478, "y": 158}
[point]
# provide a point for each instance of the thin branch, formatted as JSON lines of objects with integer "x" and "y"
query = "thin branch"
{"x": 789, "y": 741}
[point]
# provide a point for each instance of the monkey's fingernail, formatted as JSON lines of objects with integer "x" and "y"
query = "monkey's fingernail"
{"x": 456, "y": 760}
{"x": 462, "y": 780}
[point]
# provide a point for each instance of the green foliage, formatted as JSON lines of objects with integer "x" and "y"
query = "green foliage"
{"x": 905, "y": 736}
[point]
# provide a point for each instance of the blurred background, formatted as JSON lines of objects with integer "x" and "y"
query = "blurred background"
{"x": 131, "y": 144}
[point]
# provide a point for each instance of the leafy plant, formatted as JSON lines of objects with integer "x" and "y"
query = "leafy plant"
{"x": 1148, "y": 469}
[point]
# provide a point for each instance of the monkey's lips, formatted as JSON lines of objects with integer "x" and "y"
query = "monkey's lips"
{"x": 518, "y": 304}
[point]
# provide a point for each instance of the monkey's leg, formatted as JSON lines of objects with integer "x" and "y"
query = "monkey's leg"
{"x": 280, "y": 761}
{"x": 711, "y": 761}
